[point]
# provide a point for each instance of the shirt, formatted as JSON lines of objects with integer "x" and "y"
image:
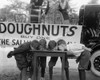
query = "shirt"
{"x": 75, "y": 48}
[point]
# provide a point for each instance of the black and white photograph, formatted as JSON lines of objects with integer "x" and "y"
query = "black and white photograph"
{"x": 49, "y": 39}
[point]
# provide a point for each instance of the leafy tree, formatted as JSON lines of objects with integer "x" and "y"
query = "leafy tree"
{"x": 5, "y": 13}
{"x": 14, "y": 10}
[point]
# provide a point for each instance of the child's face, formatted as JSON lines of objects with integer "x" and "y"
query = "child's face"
{"x": 62, "y": 47}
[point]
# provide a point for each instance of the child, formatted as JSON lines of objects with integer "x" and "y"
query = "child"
{"x": 20, "y": 55}
{"x": 42, "y": 59}
{"x": 83, "y": 56}
{"x": 57, "y": 46}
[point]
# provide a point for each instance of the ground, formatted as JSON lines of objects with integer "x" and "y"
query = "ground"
{"x": 73, "y": 75}
{"x": 9, "y": 71}
{"x": 13, "y": 73}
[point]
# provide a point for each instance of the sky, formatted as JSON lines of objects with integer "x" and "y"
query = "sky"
{"x": 76, "y": 3}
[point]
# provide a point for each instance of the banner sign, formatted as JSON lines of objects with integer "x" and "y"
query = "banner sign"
{"x": 14, "y": 34}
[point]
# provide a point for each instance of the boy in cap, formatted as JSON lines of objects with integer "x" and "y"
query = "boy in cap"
{"x": 42, "y": 59}
{"x": 83, "y": 57}
{"x": 81, "y": 52}
{"x": 56, "y": 46}
{"x": 20, "y": 54}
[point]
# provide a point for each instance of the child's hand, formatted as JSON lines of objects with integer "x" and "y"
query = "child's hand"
{"x": 85, "y": 48}
{"x": 10, "y": 54}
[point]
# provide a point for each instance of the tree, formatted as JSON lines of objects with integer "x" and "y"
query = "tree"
{"x": 5, "y": 13}
{"x": 15, "y": 8}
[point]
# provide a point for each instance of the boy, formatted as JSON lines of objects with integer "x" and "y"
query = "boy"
{"x": 20, "y": 55}
{"x": 56, "y": 46}
{"x": 42, "y": 59}
{"x": 83, "y": 57}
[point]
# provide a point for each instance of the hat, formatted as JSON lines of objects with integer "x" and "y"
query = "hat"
{"x": 43, "y": 43}
{"x": 61, "y": 41}
{"x": 51, "y": 44}
{"x": 35, "y": 44}
{"x": 61, "y": 45}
